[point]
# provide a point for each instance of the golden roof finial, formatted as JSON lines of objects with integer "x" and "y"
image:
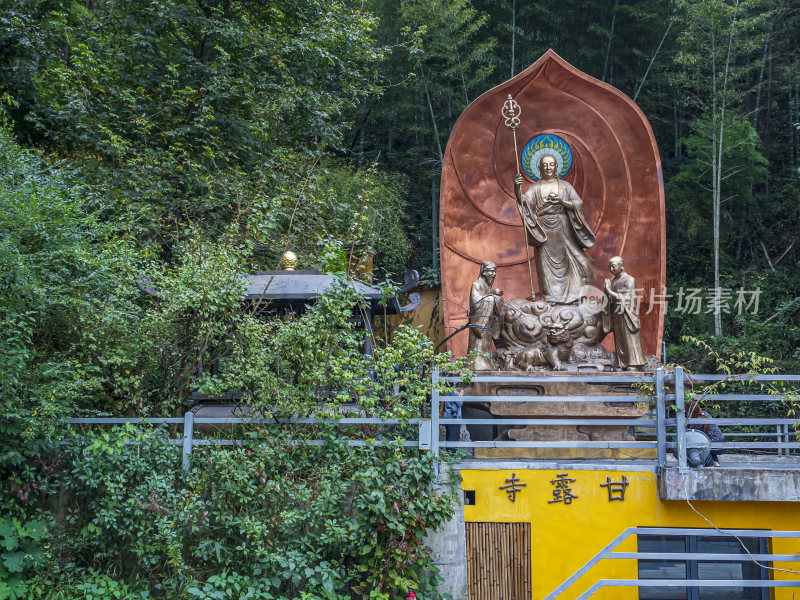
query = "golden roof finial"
{"x": 288, "y": 261}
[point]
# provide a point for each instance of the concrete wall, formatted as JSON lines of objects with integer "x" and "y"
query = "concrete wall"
{"x": 730, "y": 484}
{"x": 449, "y": 548}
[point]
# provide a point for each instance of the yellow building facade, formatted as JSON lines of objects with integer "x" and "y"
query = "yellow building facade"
{"x": 574, "y": 513}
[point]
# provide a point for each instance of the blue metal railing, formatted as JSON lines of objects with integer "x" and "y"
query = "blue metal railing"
{"x": 608, "y": 553}
{"x": 667, "y": 401}
{"x": 531, "y": 379}
{"x": 189, "y": 420}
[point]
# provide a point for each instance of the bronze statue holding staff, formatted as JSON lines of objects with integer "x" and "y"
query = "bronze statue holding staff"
{"x": 552, "y": 213}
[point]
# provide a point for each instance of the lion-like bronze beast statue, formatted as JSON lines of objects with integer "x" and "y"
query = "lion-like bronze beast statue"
{"x": 554, "y": 352}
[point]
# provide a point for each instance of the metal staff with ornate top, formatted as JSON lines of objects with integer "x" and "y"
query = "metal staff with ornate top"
{"x": 511, "y": 112}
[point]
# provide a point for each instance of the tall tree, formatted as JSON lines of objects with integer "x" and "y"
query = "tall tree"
{"x": 179, "y": 110}
{"x": 717, "y": 54}
{"x": 438, "y": 65}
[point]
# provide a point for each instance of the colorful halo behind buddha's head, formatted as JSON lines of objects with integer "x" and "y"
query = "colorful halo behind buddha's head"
{"x": 541, "y": 145}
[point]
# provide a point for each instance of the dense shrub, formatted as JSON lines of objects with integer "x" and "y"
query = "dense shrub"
{"x": 269, "y": 518}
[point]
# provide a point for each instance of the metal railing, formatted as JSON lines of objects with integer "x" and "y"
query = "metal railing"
{"x": 189, "y": 440}
{"x": 608, "y": 553}
{"x": 666, "y": 401}
{"x": 531, "y": 379}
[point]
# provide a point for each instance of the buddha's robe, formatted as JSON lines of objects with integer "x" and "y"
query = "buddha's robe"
{"x": 559, "y": 235}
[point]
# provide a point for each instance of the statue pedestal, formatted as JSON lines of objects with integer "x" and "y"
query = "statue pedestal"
{"x": 540, "y": 386}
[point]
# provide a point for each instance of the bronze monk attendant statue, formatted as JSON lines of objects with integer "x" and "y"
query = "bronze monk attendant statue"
{"x": 621, "y": 316}
{"x": 484, "y": 324}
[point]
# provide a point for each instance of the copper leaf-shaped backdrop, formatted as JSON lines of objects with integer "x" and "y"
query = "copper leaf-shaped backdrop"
{"x": 616, "y": 171}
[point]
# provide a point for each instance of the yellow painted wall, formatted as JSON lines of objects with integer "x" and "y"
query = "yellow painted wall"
{"x": 565, "y": 537}
{"x": 427, "y": 317}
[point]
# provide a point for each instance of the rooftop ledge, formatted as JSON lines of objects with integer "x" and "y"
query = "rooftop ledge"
{"x": 760, "y": 479}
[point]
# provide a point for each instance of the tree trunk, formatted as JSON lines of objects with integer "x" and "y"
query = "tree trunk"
{"x": 434, "y": 219}
{"x": 513, "y": 34}
{"x": 795, "y": 132}
{"x": 361, "y": 147}
{"x": 434, "y": 183}
{"x": 767, "y": 121}
{"x": 761, "y": 75}
{"x": 675, "y": 114}
{"x": 434, "y": 125}
{"x": 652, "y": 60}
{"x": 460, "y": 68}
{"x": 760, "y": 83}
{"x": 792, "y": 153}
{"x": 717, "y": 170}
{"x": 738, "y": 260}
{"x": 715, "y": 193}
{"x": 610, "y": 38}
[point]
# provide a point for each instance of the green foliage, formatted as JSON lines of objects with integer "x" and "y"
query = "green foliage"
{"x": 86, "y": 584}
{"x": 194, "y": 141}
{"x": 314, "y": 364}
{"x": 732, "y": 363}
{"x": 342, "y": 210}
{"x": 690, "y": 191}
{"x": 182, "y": 112}
{"x": 743, "y": 361}
{"x": 135, "y": 523}
{"x": 270, "y": 519}
{"x": 21, "y": 554}
{"x": 439, "y": 62}
{"x": 283, "y": 364}
{"x": 231, "y": 585}
{"x": 63, "y": 296}
{"x": 718, "y": 356}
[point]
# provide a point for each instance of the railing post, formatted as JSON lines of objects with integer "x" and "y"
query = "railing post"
{"x": 661, "y": 428}
{"x": 424, "y": 434}
{"x": 435, "y": 412}
{"x": 783, "y": 437}
{"x": 188, "y": 431}
{"x": 680, "y": 415}
{"x": 786, "y": 439}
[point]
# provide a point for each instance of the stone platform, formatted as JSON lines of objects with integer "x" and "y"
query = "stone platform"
{"x": 540, "y": 384}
